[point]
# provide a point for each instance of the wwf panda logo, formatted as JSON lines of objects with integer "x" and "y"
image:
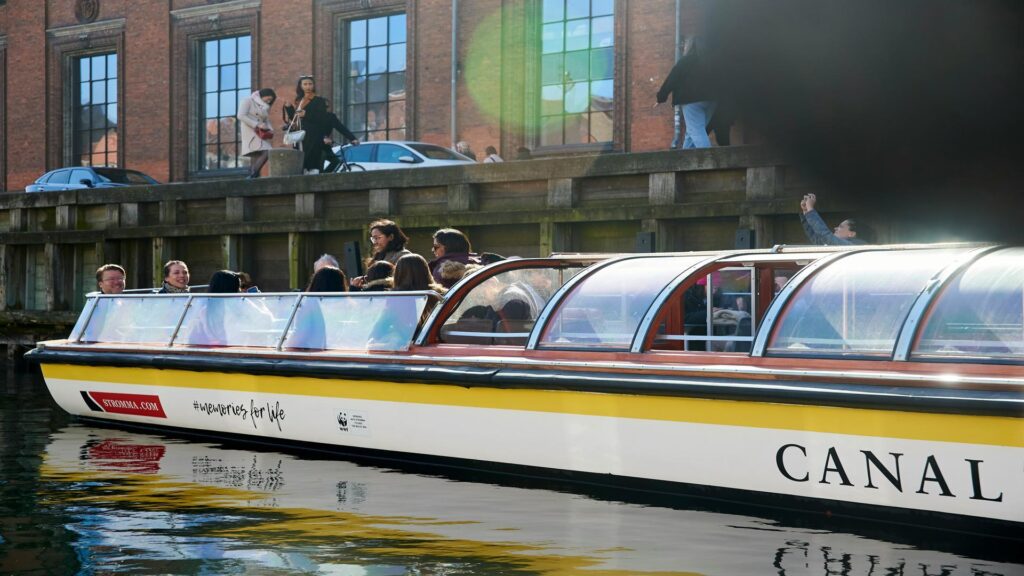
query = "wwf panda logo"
{"x": 342, "y": 420}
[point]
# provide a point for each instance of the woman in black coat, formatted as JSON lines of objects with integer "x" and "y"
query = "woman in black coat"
{"x": 316, "y": 118}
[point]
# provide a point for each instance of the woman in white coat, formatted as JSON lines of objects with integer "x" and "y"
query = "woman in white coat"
{"x": 254, "y": 114}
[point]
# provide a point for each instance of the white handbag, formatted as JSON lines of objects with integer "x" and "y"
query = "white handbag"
{"x": 293, "y": 137}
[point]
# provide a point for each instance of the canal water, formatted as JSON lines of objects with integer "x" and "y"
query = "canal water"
{"x": 80, "y": 499}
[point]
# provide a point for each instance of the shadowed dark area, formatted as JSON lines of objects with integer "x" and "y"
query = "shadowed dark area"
{"x": 913, "y": 107}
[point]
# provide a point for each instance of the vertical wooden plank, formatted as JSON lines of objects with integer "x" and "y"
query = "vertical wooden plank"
{"x": 664, "y": 188}
{"x": 555, "y": 237}
{"x": 6, "y": 260}
{"x": 230, "y": 247}
{"x": 563, "y": 193}
{"x": 161, "y": 254}
{"x": 296, "y": 251}
{"x": 52, "y": 275}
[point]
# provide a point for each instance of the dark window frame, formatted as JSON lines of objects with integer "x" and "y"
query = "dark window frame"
{"x": 331, "y": 30}
{"x": 76, "y": 107}
{"x": 64, "y": 47}
{"x": 359, "y": 123}
{"x": 189, "y": 28}
{"x": 201, "y": 145}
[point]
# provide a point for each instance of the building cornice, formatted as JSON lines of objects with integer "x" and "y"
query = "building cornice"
{"x": 214, "y": 10}
{"x": 84, "y": 30}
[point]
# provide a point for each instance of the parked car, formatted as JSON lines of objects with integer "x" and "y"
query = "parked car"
{"x": 79, "y": 177}
{"x": 388, "y": 154}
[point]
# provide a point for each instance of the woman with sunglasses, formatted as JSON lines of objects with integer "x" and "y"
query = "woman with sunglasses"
{"x": 450, "y": 245}
{"x": 316, "y": 118}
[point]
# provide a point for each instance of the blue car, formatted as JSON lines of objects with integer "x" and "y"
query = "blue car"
{"x": 81, "y": 177}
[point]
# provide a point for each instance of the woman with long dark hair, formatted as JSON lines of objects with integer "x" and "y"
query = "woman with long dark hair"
{"x": 327, "y": 279}
{"x": 450, "y": 245}
{"x": 254, "y": 114}
{"x": 411, "y": 273}
{"x": 315, "y": 117}
{"x": 387, "y": 242}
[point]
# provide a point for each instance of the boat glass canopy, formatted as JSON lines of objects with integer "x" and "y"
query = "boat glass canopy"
{"x": 905, "y": 303}
{"x": 304, "y": 322}
{"x": 980, "y": 312}
{"x": 856, "y": 305}
{"x": 604, "y": 310}
{"x": 504, "y": 308}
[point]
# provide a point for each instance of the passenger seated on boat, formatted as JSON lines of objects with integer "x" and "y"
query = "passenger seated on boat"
{"x": 533, "y": 286}
{"x": 310, "y": 331}
{"x": 515, "y": 310}
{"x": 477, "y": 313}
{"x": 480, "y": 311}
{"x": 412, "y": 273}
{"x": 209, "y": 329}
{"x": 695, "y": 309}
{"x": 738, "y": 323}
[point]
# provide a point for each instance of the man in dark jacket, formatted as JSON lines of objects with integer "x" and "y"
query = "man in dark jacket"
{"x": 689, "y": 82}
{"x": 817, "y": 231}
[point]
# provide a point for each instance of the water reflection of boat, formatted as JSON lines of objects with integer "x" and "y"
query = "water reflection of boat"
{"x": 381, "y": 513}
{"x": 882, "y": 381}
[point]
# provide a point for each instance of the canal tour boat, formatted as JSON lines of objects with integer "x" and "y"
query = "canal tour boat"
{"x": 882, "y": 382}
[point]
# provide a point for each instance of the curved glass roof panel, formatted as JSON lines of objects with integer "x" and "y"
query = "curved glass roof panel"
{"x": 857, "y": 304}
{"x": 503, "y": 308}
{"x": 603, "y": 311}
{"x": 980, "y": 313}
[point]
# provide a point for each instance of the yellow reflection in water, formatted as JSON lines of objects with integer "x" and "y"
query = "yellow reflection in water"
{"x": 307, "y": 527}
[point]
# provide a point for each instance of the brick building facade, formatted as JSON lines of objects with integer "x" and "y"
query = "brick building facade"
{"x": 152, "y": 85}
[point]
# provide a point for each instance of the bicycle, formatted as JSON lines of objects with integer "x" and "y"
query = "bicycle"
{"x": 342, "y": 164}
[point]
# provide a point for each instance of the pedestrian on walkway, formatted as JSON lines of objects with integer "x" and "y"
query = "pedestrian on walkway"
{"x": 690, "y": 84}
{"x": 256, "y": 132}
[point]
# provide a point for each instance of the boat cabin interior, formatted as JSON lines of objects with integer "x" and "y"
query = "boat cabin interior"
{"x": 923, "y": 304}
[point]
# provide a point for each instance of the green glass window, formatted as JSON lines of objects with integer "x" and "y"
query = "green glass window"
{"x": 577, "y": 72}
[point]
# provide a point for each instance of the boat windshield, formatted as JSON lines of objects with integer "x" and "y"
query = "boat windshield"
{"x": 604, "y": 310}
{"x": 149, "y": 319}
{"x": 307, "y": 322}
{"x": 856, "y": 305}
{"x": 981, "y": 312}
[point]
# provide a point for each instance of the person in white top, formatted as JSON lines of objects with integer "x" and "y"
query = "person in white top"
{"x": 492, "y": 155}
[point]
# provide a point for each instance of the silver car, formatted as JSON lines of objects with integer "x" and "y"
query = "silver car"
{"x": 388, "y": 154}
